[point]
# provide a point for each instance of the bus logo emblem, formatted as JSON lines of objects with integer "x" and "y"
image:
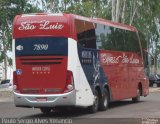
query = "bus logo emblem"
{"x": 19, "y": 71}
{"x": 19, "y": 47}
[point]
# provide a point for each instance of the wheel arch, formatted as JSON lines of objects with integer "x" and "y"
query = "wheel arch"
{"x": 100, "y": 91}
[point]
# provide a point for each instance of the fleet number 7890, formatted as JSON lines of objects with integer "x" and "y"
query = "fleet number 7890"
{"x": 40, "y": 47}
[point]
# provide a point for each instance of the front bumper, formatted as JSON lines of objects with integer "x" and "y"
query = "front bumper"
{"x": 52, "y": 100}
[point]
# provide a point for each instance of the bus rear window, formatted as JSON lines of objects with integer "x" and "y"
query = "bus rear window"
{"x": 37, "y": 46}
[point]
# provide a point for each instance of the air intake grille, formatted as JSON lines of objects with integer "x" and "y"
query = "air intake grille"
{"x": 41, "y": 61}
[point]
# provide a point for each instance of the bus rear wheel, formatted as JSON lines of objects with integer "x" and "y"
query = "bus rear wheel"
{"x": 95, "y": 106}
{"x": 46, "y": 110}
{"x": 104, "y": 100}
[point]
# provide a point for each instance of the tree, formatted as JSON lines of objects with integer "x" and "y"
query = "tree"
{"x": 143, "y": 15}
{"x": 8, "y": 10}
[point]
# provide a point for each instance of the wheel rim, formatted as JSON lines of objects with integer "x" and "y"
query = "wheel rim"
{"x": 96, "y": 103}
{"x": 105, "y": 101}
{"x": 138, "y": 94}
{"x": 138, "y": 91}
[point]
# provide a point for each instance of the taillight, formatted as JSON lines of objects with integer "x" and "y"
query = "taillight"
{"x": 69, "y": 82}
{"x": 15, "y": 83}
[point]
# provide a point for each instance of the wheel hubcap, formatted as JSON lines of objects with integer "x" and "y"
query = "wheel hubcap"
{"x": 105, "y": 102}
{"x": 96, "y": 102}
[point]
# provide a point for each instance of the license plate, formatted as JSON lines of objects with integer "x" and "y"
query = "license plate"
{"x": 44, "y": 99}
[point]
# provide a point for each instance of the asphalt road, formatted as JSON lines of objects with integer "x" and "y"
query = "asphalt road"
{"x": 123, "y": 112}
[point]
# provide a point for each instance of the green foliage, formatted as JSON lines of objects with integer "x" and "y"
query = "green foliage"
{"x": 2, "y": 56}
{"x": 144, "y": 15}
{"x": 8, "y": 10}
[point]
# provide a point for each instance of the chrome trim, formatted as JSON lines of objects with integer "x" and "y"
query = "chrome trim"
{"x": 28, "y": 100}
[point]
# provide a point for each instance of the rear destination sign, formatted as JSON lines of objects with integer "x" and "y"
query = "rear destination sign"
{"x": 41, "y": 68}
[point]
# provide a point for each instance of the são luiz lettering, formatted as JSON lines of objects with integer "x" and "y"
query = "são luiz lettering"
{"x": 42, "y": 25}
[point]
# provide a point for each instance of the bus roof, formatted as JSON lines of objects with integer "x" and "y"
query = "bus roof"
{"x": 41, "y": 24}
{"x": 95, "y": 20}
{"x": 106, "y": 22}
{"x": 36, "y": 24}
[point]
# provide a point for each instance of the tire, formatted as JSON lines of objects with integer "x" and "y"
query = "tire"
{"x": 104, "y": 101}
{"x": 137, "y": 98}
{"x": 95, "y": 106}
{"x": 46, "y": 110}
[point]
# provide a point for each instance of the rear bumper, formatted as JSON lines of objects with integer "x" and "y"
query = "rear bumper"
{"x": 27, "y": 100}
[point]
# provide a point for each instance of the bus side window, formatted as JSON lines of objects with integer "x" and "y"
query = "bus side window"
{"x": 101, "y": 36}
{"x": 80, "y": 28}
{"x": 111, "y": 38}
{"x": 108, "y": 38}
{"x": 90, "y": 35}
{"x": 133, "y": 42}
{"x": 86, "y": 34}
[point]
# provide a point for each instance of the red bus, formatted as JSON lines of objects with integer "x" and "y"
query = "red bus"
{"x": 68, "y": 60}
